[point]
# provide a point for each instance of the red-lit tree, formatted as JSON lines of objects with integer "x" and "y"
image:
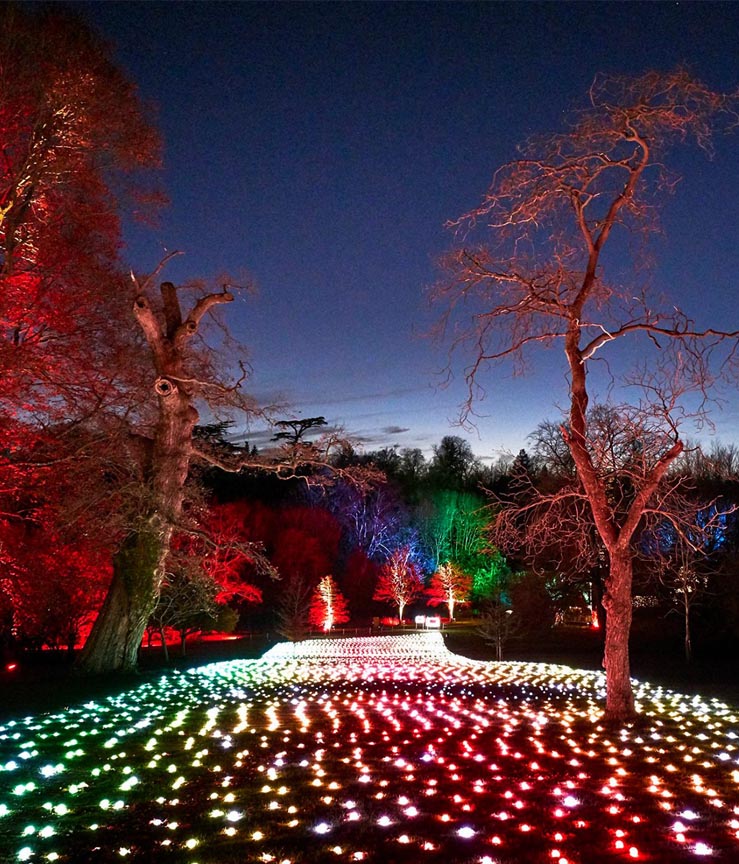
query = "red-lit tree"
{"x": 55, "y": 586}
{"x": 328, "y": 605}
{"x": 305, "y": 542}
{"x": 449, "y": 585}
{"x": 110, "y": 373}
{"x": 73, "y": 138}
{"x": 400, "y": 580}
{"x": 358, "y": 581}
{"x": 225, "y": 554}
{"x": 540, "y": 276}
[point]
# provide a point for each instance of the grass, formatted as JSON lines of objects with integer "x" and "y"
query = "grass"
{"x": 388, "y": 749}
{"x": 45, "y": 680}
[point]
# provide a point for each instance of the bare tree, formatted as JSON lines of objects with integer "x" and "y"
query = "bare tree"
{"x": 682, "y": 550}
{"x": 400, "y": 580}
{"x": 188, "y": 603}
{"x": 497, "y": 623}
{"x": 539, "y": 278}
{"x": 450, "y": 585}
{"x": 293, "y": 609}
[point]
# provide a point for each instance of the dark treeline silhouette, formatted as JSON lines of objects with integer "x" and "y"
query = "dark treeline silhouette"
{"x": 462, "y": 525}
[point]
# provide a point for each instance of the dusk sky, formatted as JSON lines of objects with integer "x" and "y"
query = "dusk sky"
{"x": 322, "y": 148}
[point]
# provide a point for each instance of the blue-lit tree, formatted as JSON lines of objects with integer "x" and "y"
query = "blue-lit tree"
{"x": 682, "y": 549}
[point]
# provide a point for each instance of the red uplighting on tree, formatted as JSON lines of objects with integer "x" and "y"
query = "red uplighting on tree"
{"x": 449, "y": 585}
{"x": 328, "y": 605}
{"x": 400, "y": 580}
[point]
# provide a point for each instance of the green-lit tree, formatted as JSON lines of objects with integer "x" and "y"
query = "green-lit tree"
{"x": 490, "y": 577}
{"x": 454, "y": 526}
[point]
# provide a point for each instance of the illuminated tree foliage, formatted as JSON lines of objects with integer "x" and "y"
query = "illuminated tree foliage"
{"x": 491, "y": 577}
{"x": 328, "y": 605}
{"x": 304, "y": 541}
{"x": 54, "y": 585}
{"x": 227, "y": 557}
{"x": 372, "y": 518}
{"x": 74, "y": 142}
{"x": 73, "y": 134}
{"x": 359, "y": 576}
{"x": 400, "y": 581}
{"x": 449, "y": 585}
{"x": 539, "y": 277}
{"x": 454, "y": 526}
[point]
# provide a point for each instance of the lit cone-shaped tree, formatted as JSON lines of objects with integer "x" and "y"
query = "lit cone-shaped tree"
{"x": 328, "y": 605}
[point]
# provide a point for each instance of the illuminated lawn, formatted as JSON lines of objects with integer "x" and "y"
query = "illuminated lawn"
{"x": 387, "y": 749}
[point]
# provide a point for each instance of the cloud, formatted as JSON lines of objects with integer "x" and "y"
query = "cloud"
{"x": 395, "y": 430}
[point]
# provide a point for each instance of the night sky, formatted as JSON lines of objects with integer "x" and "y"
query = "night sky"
{"x": 321, "y": 148}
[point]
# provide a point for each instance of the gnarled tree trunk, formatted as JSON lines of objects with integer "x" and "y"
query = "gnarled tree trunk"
{"x": 139, "y": 565}
{"x": 113, "y": 643}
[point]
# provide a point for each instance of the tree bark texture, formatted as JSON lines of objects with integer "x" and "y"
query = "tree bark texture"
{"x": 140, "y": 564}
{"x": 113, "y": 643}
{"x": 617, "y": 603}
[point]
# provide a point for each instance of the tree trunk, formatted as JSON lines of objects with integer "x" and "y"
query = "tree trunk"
{"x": 688, "y": 644}
{"x": 139, "y": 566}
{"x": 617, "y": 603}
{"x": 165, "y": 649}
{"x": 115, "y": 638}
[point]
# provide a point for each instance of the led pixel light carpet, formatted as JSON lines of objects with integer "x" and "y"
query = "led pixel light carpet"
{"x": 382, "y": 749}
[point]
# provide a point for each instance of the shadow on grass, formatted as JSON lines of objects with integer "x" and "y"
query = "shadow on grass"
{"x": 45, "y": 680}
